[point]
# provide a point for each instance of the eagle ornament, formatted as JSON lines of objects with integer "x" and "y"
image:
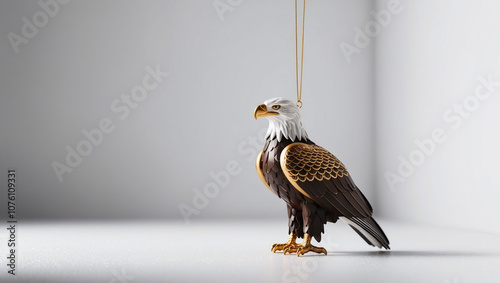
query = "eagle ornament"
{"x": 315, "y": 185}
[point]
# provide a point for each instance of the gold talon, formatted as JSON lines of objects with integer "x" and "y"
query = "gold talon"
{"x": 289, "y": 246}
{"x": 306, "y": 247}
{"x": 292, "y": 248}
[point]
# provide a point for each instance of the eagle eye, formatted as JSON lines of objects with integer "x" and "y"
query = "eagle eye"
{"x": 276, "y": 107}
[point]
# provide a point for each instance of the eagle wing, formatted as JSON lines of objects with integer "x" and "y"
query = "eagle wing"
{"x": 320, "y": 176}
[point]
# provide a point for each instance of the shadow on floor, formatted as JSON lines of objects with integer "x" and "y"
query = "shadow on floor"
{"x": 417, "y": 254}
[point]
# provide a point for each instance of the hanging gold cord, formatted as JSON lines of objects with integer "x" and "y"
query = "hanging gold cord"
{"x": 299, "y": 86}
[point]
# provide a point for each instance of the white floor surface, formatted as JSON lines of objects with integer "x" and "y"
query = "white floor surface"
{"x": 231, "y": 251}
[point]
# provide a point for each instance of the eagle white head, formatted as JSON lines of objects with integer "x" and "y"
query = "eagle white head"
{"x": 284, "y": 118}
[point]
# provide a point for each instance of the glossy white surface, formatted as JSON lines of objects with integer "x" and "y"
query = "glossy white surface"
{"x": 240, "y": 252}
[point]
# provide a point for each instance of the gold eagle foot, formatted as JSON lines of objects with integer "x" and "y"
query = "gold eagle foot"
{"x": 288, "y": 247}
{"x": 306, "y": 247}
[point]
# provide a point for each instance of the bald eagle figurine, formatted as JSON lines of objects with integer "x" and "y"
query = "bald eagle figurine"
{"x": 315, "y": 185}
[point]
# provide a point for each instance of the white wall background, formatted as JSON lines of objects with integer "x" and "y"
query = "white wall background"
{"x": 199, "y": 119}
{"x": 427, "y": 60}
{"x": 196, "y": 121}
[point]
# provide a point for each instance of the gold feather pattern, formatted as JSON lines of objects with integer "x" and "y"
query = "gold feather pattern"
{"x": 309, "y": 162}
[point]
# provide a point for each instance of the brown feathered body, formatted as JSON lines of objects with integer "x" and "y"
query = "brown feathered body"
{"x": 295, "y": 200}
{"x": 321, "y": 199}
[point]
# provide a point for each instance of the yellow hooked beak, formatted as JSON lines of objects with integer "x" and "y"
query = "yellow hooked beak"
{"x": 261, "y": 111}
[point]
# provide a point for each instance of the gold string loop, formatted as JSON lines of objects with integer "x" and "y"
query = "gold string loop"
{"x": 299, "y": 86}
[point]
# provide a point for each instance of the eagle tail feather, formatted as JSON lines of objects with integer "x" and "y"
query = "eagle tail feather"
{"x": 369, "y": 230}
